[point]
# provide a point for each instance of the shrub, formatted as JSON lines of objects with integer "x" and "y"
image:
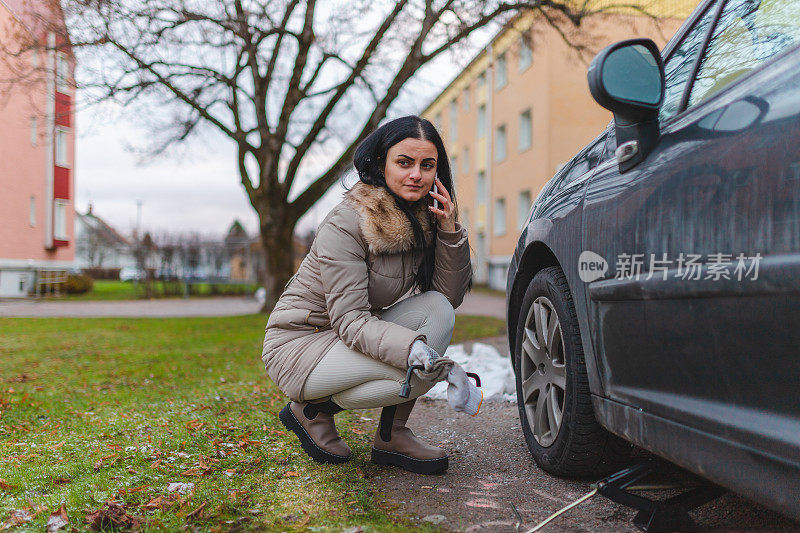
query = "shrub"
{"x": 78, "y": 284}
{"x": 101, "y": 273}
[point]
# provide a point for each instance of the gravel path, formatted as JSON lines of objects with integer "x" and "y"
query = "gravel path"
{"x": 491, "y": 469}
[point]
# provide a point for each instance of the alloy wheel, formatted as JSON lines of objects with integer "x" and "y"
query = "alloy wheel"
{"x": 543, "y": 371}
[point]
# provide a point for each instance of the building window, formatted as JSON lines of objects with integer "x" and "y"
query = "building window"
{"x": 501, "y": 75}
{"x": 60, "y": 220}
{"x": 525, "y": 130}
{"x": 34, "y": 132}
{"x": 465, "y": 218}
{"x": 465, "y": 161}
{"x": 500, "y": 144}
{"x": 465, "y": 98}
{"x": 482, "y": 121}
{"x": 499, "y": 225}
{"x": 481, "y": 188}
{"x": 32, "y": 212}
{"x": 437, "y": 121}
{"x": 453, "y": 120}
{"x": 62, "y": 159}
{"x": 62, "y": 72}
{"x": 525, "y": 52}
{"x": 481, "y": 80}
{"x": 523, "y": 208}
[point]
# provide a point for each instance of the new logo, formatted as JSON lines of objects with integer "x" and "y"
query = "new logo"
{"x": 591, "y": 266}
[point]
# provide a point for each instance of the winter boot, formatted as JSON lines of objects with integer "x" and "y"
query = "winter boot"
{"x": 314, "y": 425}
{"x": 395, "y": 444}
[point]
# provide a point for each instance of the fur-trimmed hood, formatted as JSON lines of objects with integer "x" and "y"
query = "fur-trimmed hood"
{"x": 386, "y": 228}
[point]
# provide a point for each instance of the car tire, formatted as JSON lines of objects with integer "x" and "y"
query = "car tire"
{"x": 553, "y": 396}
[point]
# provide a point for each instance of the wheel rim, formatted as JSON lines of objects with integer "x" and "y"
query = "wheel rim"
{"x": 543, "y": 372}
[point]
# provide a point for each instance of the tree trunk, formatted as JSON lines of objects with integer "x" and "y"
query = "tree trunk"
{"x": 277, "y": 241}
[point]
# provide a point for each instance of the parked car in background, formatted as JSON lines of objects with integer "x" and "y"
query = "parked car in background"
{"x": 654, "y": 294}
{"x": 131, "y": 274}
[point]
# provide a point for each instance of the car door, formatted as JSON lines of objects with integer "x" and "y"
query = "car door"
{"x": 699, "y": 322}
{"x": 612, "y": 204}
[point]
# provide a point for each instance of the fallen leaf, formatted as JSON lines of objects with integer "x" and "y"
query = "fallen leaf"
{"x": 154, "y": 503}
{"x": 8, "y": 487}
{"x": 99, "y": 464}
{"x": 193, "y": 472}
{"x": 113, "y": 516}
{"x": 198, "y": 510}
{"x": 181, "y": 488}
{"x": 17, "y": 518}
{"x": 195, "y": 424}
{"x": 201, "y": 461}
{"x": 291, "y": 473}
{"x": 58, "y": 520}
{"x": 134, "y": 490}
{"x": 305, "y": 520}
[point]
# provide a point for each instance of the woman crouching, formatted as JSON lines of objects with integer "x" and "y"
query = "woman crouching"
{"x": 338, "y": 337}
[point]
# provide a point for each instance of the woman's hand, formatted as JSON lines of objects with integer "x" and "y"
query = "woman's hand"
{"x": 422, "y": 354}
{"x": 446, "y": 213}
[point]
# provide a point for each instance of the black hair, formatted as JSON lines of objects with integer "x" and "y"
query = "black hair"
{"x": 370, "y": 160}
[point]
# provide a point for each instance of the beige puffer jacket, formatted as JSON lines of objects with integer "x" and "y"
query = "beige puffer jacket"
{"x": 361, "y": 261}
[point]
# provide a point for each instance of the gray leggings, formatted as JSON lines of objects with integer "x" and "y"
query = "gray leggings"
{"x": 357, "y": 381}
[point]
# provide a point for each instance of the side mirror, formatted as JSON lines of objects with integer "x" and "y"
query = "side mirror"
{"x": 627, "y": 78}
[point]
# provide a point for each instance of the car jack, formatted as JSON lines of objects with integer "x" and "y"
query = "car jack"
{"x": 656, "y": 516}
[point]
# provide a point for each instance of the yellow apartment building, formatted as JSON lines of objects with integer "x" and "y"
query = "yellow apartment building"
{"x": 518, "y": 112}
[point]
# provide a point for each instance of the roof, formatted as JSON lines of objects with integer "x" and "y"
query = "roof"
{"x": 102, "y": 228}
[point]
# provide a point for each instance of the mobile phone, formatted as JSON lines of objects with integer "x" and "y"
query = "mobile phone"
{"x": 435, "y": 201}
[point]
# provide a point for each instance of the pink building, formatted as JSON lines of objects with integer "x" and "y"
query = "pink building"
{"x": 37, "y": 148}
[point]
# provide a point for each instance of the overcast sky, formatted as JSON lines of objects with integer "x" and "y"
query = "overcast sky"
{"x": 197, "y": 188}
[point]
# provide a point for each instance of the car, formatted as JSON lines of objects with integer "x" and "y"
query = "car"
{"x": 653, "y": 298}
{"x": 131, "y": 274}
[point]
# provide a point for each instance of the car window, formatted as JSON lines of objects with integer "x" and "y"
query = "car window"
{"x": 678, "y": 66}
{"x": 748, "y": 34}
{"x": 586, "y": 160}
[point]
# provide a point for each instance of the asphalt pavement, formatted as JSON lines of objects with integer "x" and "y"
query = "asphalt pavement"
{"x": 475, "y": 303}
{"x": 161, "y": 308}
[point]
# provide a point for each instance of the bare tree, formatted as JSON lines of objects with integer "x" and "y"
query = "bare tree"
{"x": 144, "y": 251}
{"x": 295, "y": 85}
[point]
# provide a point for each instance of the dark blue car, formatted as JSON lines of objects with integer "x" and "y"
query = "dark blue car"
{"x": 654, "y": 295}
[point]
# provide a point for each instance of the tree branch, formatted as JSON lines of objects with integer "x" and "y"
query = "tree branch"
{"x": 323, "y": 115}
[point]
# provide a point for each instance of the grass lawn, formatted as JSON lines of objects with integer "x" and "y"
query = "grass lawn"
{"x": 107, "y": 290}
{"x": 166, "y": 424}
{"x": 128, "y": 290}
{"x": 484, "y": 289}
